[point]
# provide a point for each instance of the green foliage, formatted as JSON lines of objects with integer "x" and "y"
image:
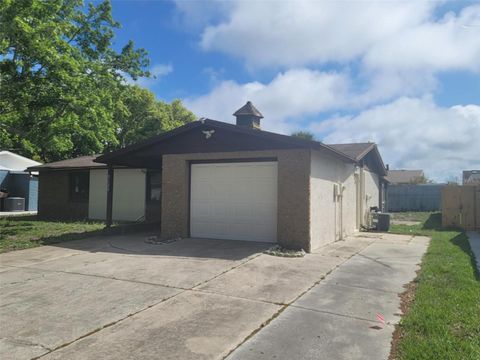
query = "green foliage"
{"x": 307, "y": 135}
{"x": 444, "y": 320}
{"x": 60, "y": 80}
{"x": 139, "y": 115}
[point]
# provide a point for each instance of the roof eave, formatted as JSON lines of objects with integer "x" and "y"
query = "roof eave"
{"x": 300, "y": 143}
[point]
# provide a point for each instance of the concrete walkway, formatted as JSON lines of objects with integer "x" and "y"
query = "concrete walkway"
{"x": 474, "y": 239}
{"x": 336, "y": 319}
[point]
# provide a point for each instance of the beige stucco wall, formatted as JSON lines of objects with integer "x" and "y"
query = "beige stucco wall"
{"x": 97, "y": 196}
{"x": 293, "y": 193}
{"x": 371, "y": 186}
{"x": 331, "y": 218}
{"x": 129, "y": 187}
{"x": 349, "y": 201}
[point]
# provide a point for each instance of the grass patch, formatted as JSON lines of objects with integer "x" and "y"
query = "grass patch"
{"x": 444, "y": 319}
{"x": 26, "y": 232}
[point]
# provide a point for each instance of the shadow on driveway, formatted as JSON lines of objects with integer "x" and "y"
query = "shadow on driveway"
{"x": 137, "y": 244}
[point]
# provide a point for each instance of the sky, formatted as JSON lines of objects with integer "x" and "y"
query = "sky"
{"x": 403, "y": 74}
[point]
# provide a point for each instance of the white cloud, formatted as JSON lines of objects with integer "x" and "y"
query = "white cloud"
{"x": 449, "y": 43}
{"x": 414, "y": 133}
{"x": 290, "y": 95}
{"x": 383, "y": 50}
{"x": 384, "y": 34}
{"x": 293, "y": 33}
{"x": 158, "y": 71}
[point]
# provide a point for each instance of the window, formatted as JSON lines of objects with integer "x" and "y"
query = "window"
{"x": 79, "y": 186}
{"x": 154, "y": 186}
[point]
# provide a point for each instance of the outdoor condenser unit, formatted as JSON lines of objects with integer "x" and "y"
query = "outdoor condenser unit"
{"x": 14, "y": 204}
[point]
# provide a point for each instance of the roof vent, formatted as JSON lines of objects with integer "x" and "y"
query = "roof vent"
{"x": 248, "y": 116}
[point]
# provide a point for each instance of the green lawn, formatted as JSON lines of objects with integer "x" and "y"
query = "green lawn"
{"x": 444, "y": 319}
{"x": 27, "y": 232}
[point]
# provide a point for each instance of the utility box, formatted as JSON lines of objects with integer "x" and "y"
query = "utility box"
{"x": 383, "y": 221}
{"x": 14, "y": 204}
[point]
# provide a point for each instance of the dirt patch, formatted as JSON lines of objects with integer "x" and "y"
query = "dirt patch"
{"x": 406, "y": 301}
{"x": 406, "y": 222}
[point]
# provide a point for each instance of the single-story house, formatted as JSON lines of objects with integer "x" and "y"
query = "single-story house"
{"x": 77, "y": 189}
{"x": 400, "y": 177}
{"x": 238, "y": 182}
{"x": 16, "y": 182}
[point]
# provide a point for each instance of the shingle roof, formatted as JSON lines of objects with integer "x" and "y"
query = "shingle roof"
{"x": 353, "y": 150}
{"x": 248, "y": 109}
{"x": 261, "y": 134}
{"x": 403, "y": 176}
{"x": 81, "y": 162}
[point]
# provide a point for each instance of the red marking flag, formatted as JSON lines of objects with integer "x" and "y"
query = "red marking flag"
{"x": 380, "y": 318}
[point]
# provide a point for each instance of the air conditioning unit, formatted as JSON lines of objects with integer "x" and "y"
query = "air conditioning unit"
{"x": 14, "y": 204}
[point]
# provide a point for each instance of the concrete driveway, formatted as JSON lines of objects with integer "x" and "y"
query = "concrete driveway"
{"x": 121, "y": 298}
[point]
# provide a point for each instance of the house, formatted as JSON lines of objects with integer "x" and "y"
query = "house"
{"x": 471, "y": 177}
{"x": 398, "y": 177}
{"x": 16, "y": 181}
{"x": 210, "y": 179}
{"x": 368, "y": 157}
{"x": 226, "y": 181}
{"x": 77, "y": 189}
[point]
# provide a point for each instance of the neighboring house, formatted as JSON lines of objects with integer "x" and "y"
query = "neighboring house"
{"x": 471, "y": 177}
{"x": 397, "y": 177}
{"x": 410, "y": 190}
{"x": 77, "y": 189}
{"x": 16, "y": 181}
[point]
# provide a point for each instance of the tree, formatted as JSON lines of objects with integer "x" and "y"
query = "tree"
{"x": 307, "y": 135}
{"x": 60, "y": 80}
{"x": 139, "y": 115}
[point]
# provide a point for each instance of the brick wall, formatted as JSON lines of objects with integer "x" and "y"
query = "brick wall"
{"x": 53, "y": 198}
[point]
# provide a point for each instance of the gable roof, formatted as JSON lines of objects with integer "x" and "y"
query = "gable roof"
{"x": 403, "y": 176}
{"x": 266, "y": 138}
{"x": 363, "y": 152}
{"x": 351, "y": 153}
{"x": 248, "y": 109}
{"x": 81, "y": 162}
{"x": 355, "y": 150}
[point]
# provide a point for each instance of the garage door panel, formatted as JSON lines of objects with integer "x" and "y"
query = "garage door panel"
{"x": 235, "y": 201}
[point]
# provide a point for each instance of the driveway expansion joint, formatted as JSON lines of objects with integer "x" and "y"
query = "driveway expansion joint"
{"x": 106, "y": 326}
{"x": 236, "y": 297}
{"x": 100, "y": 277}
{"x": 250, "y": 258}
{"x": 361, "y": 287}
{"x": 285, "y": 306}
{"x": 338, "y": 314}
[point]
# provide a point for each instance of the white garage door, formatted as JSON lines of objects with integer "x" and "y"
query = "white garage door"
{"x": 236, "y": 201}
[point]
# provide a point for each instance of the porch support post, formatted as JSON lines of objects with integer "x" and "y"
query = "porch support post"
{"x": 109, "y": 195}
